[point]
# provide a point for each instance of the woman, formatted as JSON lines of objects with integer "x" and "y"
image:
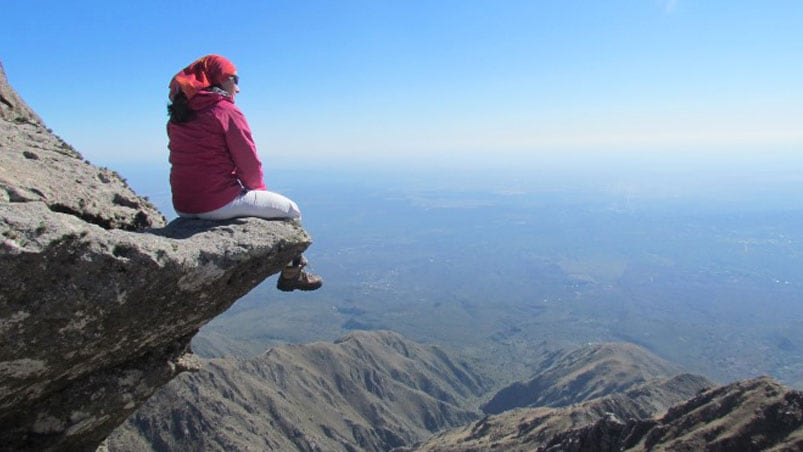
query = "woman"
{"x": 215, "y": 171}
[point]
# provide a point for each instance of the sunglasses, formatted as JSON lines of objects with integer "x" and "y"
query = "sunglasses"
{"x": 235, "y": 78}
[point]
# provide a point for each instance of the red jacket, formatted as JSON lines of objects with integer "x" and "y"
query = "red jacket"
{"x": 213, "y": 156}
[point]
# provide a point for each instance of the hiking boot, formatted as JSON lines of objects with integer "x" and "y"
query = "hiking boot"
{"x": 294, "y": 277}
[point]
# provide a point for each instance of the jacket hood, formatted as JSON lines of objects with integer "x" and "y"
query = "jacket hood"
{"x": 207, "y": 98}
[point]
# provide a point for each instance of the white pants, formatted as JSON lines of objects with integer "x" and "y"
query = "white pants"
{"x": 253, "y": 203}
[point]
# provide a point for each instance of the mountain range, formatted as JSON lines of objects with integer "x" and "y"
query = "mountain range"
{"x": 380, "y": 391}
{"x": 751, "y": 415}
{"x": 586, "y": 373}
{"x": 366, "y": 391}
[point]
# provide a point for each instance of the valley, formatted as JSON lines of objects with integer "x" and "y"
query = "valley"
{"x": 706, "y": 286}
{"x": 712, "y": 285}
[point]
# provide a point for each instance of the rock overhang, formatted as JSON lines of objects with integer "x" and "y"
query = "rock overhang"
{"x": 99, "y": 298}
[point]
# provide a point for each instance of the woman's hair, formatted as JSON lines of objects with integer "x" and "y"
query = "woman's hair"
{"x": 179, "y": 110}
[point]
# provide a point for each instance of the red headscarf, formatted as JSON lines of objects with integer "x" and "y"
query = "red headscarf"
{"x": 202, "y": 73}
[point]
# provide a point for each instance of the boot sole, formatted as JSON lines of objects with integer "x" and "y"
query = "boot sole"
{"x": 304, "y": 289}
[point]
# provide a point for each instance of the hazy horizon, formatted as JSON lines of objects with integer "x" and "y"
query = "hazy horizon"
{"x": 750, "y": 180}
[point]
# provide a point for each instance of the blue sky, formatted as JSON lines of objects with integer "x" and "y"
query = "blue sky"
{"x": 449, "y": 81}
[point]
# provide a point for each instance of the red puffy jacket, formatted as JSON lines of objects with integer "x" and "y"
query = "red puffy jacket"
{"x": 213, "y": 156}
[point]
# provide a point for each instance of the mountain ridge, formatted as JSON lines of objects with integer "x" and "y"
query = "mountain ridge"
{"x": 749, "y": 415}
{"x": 345, "y": 395}
{"x": 382, "y": 385}
{"x": 521, "y": 428}
{"x": 585, "y": 373}
{"x": 366, "y": 391}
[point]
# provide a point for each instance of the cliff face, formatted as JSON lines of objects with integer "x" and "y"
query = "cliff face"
{"x": 98, "y": 297}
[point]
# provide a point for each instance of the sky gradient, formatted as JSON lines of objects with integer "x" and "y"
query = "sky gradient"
{"x": 448, "y": 81}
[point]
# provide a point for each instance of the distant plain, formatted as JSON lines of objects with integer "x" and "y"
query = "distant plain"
{"x": 696, "y": 258}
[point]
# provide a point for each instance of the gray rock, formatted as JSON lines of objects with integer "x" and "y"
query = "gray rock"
{"x": 36, "y": 165}
{"x": 98, "y": 298}
{"x": 12, "y": 107}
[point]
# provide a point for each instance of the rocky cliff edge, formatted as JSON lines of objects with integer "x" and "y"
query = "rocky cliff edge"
{"x": 98, "y": 297}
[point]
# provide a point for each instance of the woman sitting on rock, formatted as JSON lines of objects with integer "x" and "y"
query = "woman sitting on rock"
{"x": 215, "y": 171}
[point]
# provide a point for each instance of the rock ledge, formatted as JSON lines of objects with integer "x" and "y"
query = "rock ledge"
{"x": 98, "y": 297}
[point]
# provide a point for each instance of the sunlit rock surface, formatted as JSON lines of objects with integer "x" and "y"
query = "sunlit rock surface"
{"x": 98, "y": 297}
